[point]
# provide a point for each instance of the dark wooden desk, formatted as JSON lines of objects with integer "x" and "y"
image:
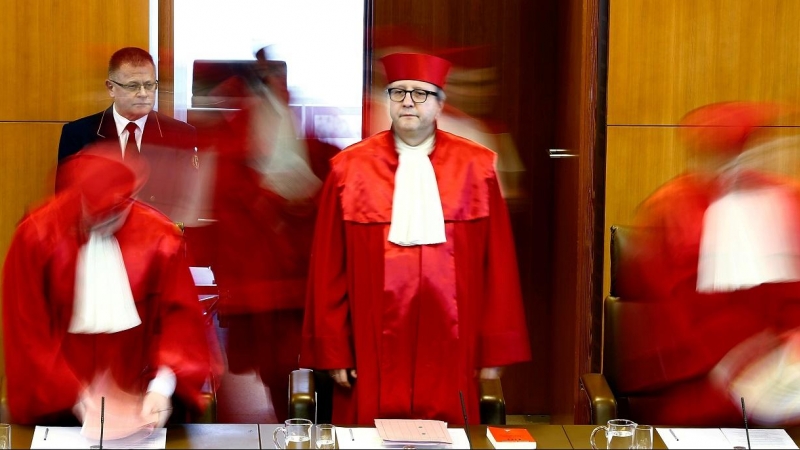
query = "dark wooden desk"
{"x": 547, "y": 436}
{"x": 200, "y": 436}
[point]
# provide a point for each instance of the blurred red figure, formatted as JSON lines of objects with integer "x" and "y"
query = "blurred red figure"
{"x": 266, "y": 184}
{"x": 718, "y": 260}
{"x": 95, "y": 284}
{"x": 470, "y": 112}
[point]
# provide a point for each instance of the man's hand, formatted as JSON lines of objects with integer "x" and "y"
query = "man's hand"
{"x": 340, "y": 376}
{"x": 156, "y": 408}
{"x": 491, "y": 373}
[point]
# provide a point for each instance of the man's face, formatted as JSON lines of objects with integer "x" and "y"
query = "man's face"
{"x": 133, "y": 103}
{"x": 411, "y": 119}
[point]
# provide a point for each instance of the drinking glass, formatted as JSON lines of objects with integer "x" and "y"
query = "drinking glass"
{"x": 5, "y": 435}
{"x": 619, "y": 433}
{"x": 642, "y": 437}
{"x": 325, "y": 436}
{"x": 296, "y": 434}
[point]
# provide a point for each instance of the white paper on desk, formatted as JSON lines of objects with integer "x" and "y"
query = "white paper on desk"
{"x": 70, "y": 437}
{"x": 759, "y": 438}
{"x": 413, "y": 432}
{"x": 366, "y": 438}
{"x": 694, "y": 438}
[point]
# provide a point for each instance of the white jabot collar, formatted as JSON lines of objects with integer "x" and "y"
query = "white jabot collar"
{"x": 417, "y": 217}
{"x": 103, "y": 298}
{"x": 749, "y": 238}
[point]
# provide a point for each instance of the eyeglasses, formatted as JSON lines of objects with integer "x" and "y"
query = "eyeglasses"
{"x": 417, "y": 95}
{"x": 135, "y": 87}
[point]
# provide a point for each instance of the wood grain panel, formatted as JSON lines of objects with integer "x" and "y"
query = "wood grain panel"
{"x": 670, "y": 56}
{"x": 57, "y": 55}
{"x": 574, "y": 261}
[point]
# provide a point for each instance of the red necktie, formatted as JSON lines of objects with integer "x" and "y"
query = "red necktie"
{"x": 131, "y": 150}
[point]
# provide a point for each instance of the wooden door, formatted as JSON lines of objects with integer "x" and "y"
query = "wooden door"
{"x": 546, "y": 53}
{"x": 578, "y": 166}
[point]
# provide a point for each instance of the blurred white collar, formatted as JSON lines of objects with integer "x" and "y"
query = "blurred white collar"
{"x": 103, "y": 298}
{"x": 749, "y": 237}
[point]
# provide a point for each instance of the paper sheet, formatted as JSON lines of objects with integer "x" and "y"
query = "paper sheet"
{"x": 411, "y": 432}
{"x": 693, "y": 438}
{"x": 760, "y": 438}
{"x": 70, "y": 437}
{"x": 366, "y": 438}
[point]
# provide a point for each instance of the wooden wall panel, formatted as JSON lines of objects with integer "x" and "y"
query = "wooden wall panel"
{"x": 58, "y": 53}
{"x": 24, "y": 149}
{"x": 670, "y": 56}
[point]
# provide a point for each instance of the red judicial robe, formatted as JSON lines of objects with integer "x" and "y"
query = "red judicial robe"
{"x": 47, "y": 367}
{"x": 669, "y": 353}
{"x": 415, "y": 322}
{"x": 264, "y": 245}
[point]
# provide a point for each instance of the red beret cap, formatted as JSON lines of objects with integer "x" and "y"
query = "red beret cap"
{"x": 416, "y": 66}
{"x": 102, "y": 178}
{"x": 725, "y": 127}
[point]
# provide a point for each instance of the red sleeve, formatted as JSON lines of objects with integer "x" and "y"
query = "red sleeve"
{"x": 504, "y": 333}
{"x": 327, "y": 328}
{"x": 39, "y": 380}
{"x": 186, "y": 343}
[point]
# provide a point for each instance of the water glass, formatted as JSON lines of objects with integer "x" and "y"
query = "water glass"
{"x": 325, "y": 436}
{"x": 619, "y": 433}
{"x": 296, "y": 434}
{"x": 5, "y": 435}
{"x": 642, "y": 437}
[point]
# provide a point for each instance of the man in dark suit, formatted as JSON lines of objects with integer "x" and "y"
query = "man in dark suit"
{"x": 167, "y": 145}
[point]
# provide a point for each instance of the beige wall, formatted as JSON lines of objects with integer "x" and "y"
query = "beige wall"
{"x": 667, "y": 57}
{"x": 53, "y": 57}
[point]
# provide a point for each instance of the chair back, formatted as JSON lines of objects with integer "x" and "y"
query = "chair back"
{"x": 628, "y": 319}
{"x": 615, "y": 311}
{"x": 623, "y": 317}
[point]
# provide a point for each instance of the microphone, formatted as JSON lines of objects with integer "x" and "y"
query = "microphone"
{"x": 466, "y": 422}
{"x": 102, "y": 419}
{"x": 746, "y": 430}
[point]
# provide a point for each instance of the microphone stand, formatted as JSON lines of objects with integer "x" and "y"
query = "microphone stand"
{"x": 102, "y": 419}
{"x": 466, "y": 422}
{"x": 746, "y": 430}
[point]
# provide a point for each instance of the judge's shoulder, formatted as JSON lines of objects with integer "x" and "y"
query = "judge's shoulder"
{"x": 384, "y": 140}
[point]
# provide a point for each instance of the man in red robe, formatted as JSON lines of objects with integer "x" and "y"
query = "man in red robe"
{"x": 97, "y": 295}
{"x": 414, "y": 287}
{"x": 264, "y": 203}
{"x": 716, "y": 263}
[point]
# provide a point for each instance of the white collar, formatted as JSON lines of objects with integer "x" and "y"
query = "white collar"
{"x": 122, "y": 122}
{"x": 417, "y": 217}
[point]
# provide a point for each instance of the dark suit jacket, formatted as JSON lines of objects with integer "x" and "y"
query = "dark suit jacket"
{"x": 170, "y": 148}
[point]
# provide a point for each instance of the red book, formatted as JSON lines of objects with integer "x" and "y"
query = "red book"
{"x": 510, "y": 437}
